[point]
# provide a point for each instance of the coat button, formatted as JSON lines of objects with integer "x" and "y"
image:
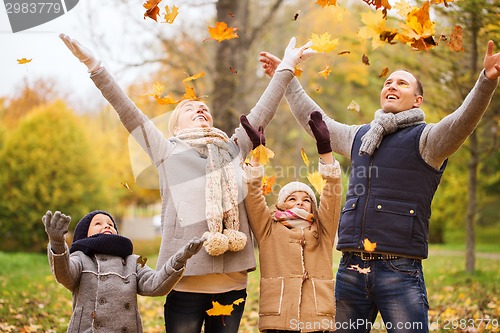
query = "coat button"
{"x": 353, "y": 206}
{"x": 97, "y": 325}
{"x": 127, "y": 306}
{"x": 102, "y": 301}
{"x": 412, "y": 211}
{"x": 379, "y": 207}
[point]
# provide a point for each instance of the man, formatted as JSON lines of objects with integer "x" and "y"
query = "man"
{"x": 397, "y": 163}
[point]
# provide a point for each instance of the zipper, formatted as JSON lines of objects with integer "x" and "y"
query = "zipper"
{"x": 366, "y": 202}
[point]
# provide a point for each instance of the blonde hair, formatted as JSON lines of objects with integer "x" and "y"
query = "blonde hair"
{"x": 174, "y": 116}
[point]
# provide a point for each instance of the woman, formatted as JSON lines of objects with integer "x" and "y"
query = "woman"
{"x": 202, "y": 194}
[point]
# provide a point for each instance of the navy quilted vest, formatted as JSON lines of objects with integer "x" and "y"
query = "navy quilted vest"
{"x": 389, "y": 196}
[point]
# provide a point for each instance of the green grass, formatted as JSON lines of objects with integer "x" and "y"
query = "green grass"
{"x": 31, "y": 300}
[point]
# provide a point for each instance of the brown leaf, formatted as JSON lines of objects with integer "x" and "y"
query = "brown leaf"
{"x": 365, "y": 60}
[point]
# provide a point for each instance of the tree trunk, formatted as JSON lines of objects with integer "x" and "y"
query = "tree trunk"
{"x": 470, "y": 255}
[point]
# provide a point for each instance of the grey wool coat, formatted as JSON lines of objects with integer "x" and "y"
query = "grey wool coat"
{"x": 105, "y": 289}
{"x": 182, "y": 175}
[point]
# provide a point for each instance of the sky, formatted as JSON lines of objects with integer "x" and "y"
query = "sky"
{"x": 52, "y": 60}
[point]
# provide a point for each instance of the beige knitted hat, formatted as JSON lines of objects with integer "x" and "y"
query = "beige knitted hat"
{"x": 292, "y": 187}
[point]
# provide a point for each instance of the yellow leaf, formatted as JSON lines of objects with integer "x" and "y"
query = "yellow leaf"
{"x": 194, "y": 77}
{"x": 267, "y": 184}
{"x": 238, "y": 301}
{"x": 167, "y": 100}
{"x": 220, "y": 310}
{"x": 190, "y": 94}
{"x": 369, "y": 246}
{"x": 170, "y": 15}
{"x": 323, "y": 43}
{"x": 304, "y": 156}
{"x": 359, "y": 269}
{"x": 126, "y": 186}
{"x": 23, "y": 61}
{"x": 375, "y": 29}
{"x": 317, "y": 181}
{"x": 262, "y": 154}
{"x": 325, "y": 72}
{"x": 384, "y": 72}
{"x": 455, "y": 42}
{"x": 353, "y": 106}
{"x": 222, "y": 32}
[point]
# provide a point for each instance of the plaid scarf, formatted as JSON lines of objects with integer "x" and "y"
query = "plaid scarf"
{"x": 294, "y": 218}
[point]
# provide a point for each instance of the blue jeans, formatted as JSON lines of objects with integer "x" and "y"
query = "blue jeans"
{"x": 395, "y": 288}
{"x": 186, "y": 312}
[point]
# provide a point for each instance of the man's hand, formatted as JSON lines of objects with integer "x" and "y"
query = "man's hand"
{"x": 491, "y": 62}
{"x": 82, "y": 53}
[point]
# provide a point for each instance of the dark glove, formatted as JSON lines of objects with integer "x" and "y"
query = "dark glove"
{"x": 187, "y": 251}
{"x": 257, "y": 137}
{"x": 320, "y": 132}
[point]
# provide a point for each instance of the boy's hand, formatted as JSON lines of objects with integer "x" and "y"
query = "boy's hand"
{"x": 56, "y": 226}
{"x": 186, "y": 252}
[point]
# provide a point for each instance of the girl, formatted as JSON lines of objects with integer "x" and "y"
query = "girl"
{"x": 295, "y": 241}
{"x": 103, "y": 274}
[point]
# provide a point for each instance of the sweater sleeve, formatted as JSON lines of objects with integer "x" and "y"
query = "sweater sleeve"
{"x": 439, "y": 141}
{"x": 301, "y": 105}
{"x": 66, "y": 268}
{"x": 157, "y": 283}
{"x": 329, "y": 203}
{"x": 265, "y": 109}
{"x": 258, "y": 213}
{"x": 135, "y": 121}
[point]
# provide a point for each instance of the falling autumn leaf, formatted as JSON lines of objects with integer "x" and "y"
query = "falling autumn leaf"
{"x": 167, "y": 100}
{"x": 353, "y": 106}
{"x": 267, "y": 184}
{"x": 296, "y": 16}
{"x": 194, "y": 77}
{"x": 23, "y": 61}
{"x": 142, "y": 261}
{"x": 323, "y": 43}
{"x": 455, "y": 42}
{"x": 126, "y": 186}
{"x": 262, "y": 154}
{"x": 384, "y": 72}
{"x": 359, "y": 269}
{"x": 223, "y": 310}
{"x": 317, "y": 181}
{"x": 375, "y": 29}
{"x": 297, "y": 71}
{"x": 324, "y": 3}
{"x": 170, "y": 15}
{"x": 221, "y": 32}
{"x": 418, "y": 29}
{"x": 190, "y": 94}
{"x": 304, "y": 156}
{"x": 369, "y": 246}
{"x": 365, "y": 60}
{"x": 325, "y": 72}
{"x": 152, "y": 10}
{"x": 344, "y": 52}
{"x": 234, "y": 71}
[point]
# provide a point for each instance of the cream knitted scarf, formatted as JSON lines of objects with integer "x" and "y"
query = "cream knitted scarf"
{"x": 221, "y": 190}
{"x": 387, "y": 123}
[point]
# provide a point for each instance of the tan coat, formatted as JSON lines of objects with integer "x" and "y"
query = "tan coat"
{"x": 296, "y": 285}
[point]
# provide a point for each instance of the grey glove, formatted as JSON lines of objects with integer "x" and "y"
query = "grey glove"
{"x": 178, "y": 260}
{"x": 56, "y": 226}
{"x": 82, "y": 53}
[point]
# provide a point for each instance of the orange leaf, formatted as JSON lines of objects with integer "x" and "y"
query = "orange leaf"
{"x": 194, "y": 77}
{"x": 455, "y": 43}
{"x": 222, "y": 32}
{"x": 170, "y": 15}
{"x": 325, "y": 72}
{"x": 369, "y": 246}
{"x": 152, "y": 9}
{"x": 262, "y": 154}
{"x": 220, "y": 310}
{"x": 166, "y": 100}
{"x": 23, "y": 61}
{"x": 190, "y": 94}
{"x": 267, "y": 184}
{"x": 297, "y": 71}
{"x": 324, "y": 3}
